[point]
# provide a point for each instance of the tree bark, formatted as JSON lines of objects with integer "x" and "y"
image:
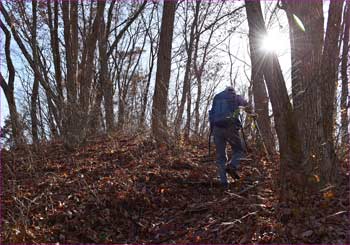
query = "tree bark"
{"x": 329, "y": 76}
{"x": 106, "y": 83}
{"x": 313, "y": 80}
{"x": 70, "y": 120}
{"x": 55, "y": 45}
{"x": 345, "y": 79}
{"x": 55, "y": 49}
{"x": 306, "y": 51}
{"x": 261, "y": 99}
{"x": 86, "y": 68}
{"x": 35, "y": 90}
{"x": 160, "y": 97}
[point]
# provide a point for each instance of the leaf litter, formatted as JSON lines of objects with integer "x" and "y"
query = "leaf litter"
{"x": 124, "y": 190}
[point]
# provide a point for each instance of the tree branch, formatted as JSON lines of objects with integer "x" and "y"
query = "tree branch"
{"x": 121, "y": 33}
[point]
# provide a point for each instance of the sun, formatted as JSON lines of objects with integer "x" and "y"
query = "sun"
{"x": 274, "y": 41}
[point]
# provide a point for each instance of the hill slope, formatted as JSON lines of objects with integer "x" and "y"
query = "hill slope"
{"x": 127, "y": 191}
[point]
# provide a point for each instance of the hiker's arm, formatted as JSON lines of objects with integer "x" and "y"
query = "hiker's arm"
{"x": 246, "y": 106}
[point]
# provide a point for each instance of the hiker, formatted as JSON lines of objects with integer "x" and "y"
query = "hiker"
{"x": 225, "y": 125}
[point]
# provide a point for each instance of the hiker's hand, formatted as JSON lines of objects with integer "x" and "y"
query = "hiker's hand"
{"x": 253, "y": 115}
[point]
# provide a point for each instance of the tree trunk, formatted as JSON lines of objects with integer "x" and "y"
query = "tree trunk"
{"x": 8, "y": 89}
{"x": 106, "y": 83}
{"x": 152, "y": 56}
{"x": 292, "y": 174}
{"x": 86, "y": 68}
{"x": 187, "y": 76}
{"x": 160, "y": 97}
{"x": 345, "y": 79}
{"x": 198, "y": 74}
{"x": 70, "y": 121}
{"x": 329, "y": 76}
{"x": 313, "y": 80}
{"x": 261, "y": 99}
{"x": 306, "y": 51}
{"x": 121, "y": 111}
{"x": 145, "y": 93}
{"x": 16, "y": 128}
{"x": 51, "y": 116}
{"x": 55, "y": 49}
{"x": 35, "y": 90}
{"x": 188, "y": 118}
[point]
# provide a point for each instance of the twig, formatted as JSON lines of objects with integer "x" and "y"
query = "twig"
{"x": 248, "y": 188}
{"x": 236, "y": 195}
{"x": 335, "y": 214}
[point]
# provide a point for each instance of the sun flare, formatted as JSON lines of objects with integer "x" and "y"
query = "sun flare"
{"x": 274, "y": 41}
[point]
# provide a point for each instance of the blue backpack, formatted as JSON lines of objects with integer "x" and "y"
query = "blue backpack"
{"x": 224, "y": 112}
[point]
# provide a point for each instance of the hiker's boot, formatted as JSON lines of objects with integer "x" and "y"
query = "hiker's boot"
{"x": 232, "y": 172}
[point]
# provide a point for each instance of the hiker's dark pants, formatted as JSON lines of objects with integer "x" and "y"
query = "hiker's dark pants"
{"x": 221, "y": 137}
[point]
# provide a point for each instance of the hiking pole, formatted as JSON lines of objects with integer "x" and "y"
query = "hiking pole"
{"x": 245, "y": 141}
{"x": 209, "y": 141}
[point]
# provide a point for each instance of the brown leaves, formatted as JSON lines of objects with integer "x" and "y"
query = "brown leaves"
{"x": 128, "y": 191}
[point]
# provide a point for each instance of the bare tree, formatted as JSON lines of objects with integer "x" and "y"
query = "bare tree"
{"x": 8, "y": 88}
{"x": 160, "y": 97}
{"x": 285, "y": 120}
{"x": 35, "y": 90}
{"x": 186, "y": 94}
{"x": 152, "y": 57}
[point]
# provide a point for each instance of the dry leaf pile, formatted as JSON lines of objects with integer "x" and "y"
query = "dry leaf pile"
{"x": 128, "y": 191}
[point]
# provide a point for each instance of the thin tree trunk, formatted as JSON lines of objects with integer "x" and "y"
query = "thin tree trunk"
{"x": 41, "y": 120}
{"x": 199, "y": 70}
{"x": 261, "y": 99}
{"x": 187, "y": 76}
{"x": 55, "y": 45}
{"x": 51, "y": 116}
{"x": 35, "y": 90}
{"x": 14, "y": 117}
{"x": 8, "y": 89}
{"x": 152, "y": 56}
{"x": 188, "y": 117}
{"x": 345, "y": 79}
{"x": 160, "y": 97}
{"x": 198, "y": 74}
{"x": 54, "y": 40}
{"x": 145, "y": 93}
{"x": 106, "y": 83}
{"x": 26, "y": 54}
{"x": 329, "y": 76}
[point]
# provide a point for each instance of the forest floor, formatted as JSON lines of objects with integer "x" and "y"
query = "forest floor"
{"x": 127, "y": 191}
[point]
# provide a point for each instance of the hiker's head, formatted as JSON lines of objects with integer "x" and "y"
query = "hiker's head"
{"x": 230, "y": 88}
